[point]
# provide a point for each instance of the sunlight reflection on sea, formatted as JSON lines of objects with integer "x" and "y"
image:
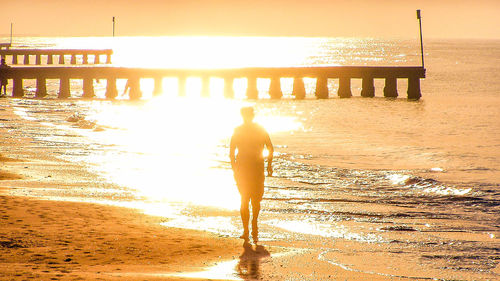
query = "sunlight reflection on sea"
{"x": 172, "y": 149}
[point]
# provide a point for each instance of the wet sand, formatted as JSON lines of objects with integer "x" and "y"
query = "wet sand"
{"x": 63, "y": 240}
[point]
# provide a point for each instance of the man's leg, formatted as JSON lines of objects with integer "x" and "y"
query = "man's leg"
{"x": 245, "y": 216}
{"x": 255, "y": 217}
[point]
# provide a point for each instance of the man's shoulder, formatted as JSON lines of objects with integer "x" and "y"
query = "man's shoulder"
{"x": 251, "y": 128}
{"x": 238, "y": 129}
{"x": 259, "y": 128}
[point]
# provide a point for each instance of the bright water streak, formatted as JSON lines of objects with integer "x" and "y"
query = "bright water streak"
{"x": 174, "y": 149}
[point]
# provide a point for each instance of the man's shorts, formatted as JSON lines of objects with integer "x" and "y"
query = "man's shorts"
{"x": 250, "y": 180}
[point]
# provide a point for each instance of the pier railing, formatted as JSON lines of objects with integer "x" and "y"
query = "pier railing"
{"x": 322, "y": 73}
{"x": 55, "y": 56}
{"x": 5, "y": 45}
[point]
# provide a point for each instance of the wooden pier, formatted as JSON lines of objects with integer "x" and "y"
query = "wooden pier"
{"x": 63, "y": 56}
{"x": 322, "y": 73}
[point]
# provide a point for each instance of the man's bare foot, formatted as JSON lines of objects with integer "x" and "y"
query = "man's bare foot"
{"x": 245, "y": 236}
{"x": 255, "y": 236}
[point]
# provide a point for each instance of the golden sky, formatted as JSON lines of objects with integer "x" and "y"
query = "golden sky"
{"x": 348, "y": 18}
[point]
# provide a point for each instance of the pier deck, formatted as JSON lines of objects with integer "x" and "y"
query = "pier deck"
{"x": 321, "y": 73}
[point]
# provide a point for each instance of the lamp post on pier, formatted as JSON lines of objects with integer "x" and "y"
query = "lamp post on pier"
{"x": 11, "y": 27}
{"x": 419, "y": 17}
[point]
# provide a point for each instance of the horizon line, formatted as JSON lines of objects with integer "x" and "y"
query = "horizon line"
{"x": 5, "y": 35}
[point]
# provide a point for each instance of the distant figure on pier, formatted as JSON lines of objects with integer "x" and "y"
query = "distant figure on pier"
{"x": 249, "y": 140}
{"x": 3, "y": 80}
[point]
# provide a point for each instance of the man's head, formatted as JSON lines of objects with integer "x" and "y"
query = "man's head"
{"x": 247, "y": 114}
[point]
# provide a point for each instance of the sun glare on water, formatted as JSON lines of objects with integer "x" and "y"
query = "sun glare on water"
{"x": 176, "y": 149}
{"x": 209, "y": 52}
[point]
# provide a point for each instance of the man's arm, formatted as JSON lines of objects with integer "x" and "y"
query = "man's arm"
{"x": 232, "y": 148}
{"x": 270, "y": 149}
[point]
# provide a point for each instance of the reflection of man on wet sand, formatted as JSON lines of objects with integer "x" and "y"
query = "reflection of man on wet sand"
{"x": 249, "y": 141}
{"x": 249, "y": 264}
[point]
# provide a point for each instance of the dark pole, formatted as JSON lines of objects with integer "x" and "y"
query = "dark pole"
{"x": 419, "y": 17}
{"x": 113, "y": 26}
{"x": 11, "y": 34}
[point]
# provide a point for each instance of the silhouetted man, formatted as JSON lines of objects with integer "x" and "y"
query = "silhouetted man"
{"x": 3, "y": 80}
{"x": 249, "y": 140}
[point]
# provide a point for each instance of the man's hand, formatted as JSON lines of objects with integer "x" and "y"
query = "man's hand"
{"x": 269, "y": 170}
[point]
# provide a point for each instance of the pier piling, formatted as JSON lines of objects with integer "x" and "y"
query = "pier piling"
{"x": 41, "y": 87}
{"x": 367, "y": 87}
{"x": 205, "y": 86}
{"x": 344, "y": 90}
{"x": 64, "y": 88}
{"x": 111, "y": 91}
{"x": 414, "y": 88}
{"x": 321, "y": 87}
{"x": 135, "y": 88}
{"x": 252, "y": 91}
{"x": 229, "y": 88}
{"x": 181, "y": 86}
{"x": 391, "y": 87}
{"x": 88, "y": 88}
{"x": 299, "y": 90}
{"x": 17, "y": 87}
{"x": 158, "y": 86}
{"x": 275, "y": 88}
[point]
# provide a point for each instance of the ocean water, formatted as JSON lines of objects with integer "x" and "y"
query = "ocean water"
{"x": 408, "y": 181}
